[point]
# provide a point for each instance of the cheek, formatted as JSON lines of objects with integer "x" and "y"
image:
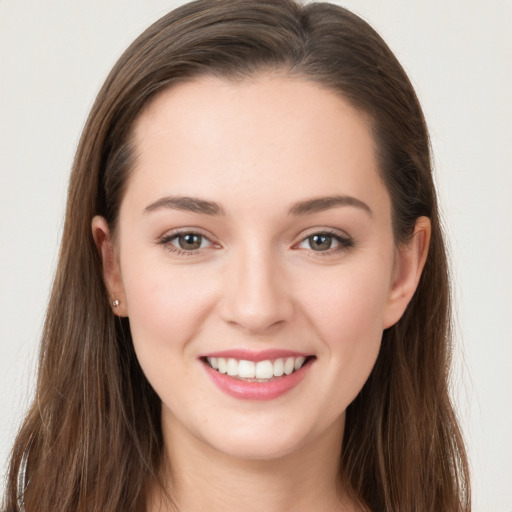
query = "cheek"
{"x": 349, "y": 300}
{"x": 347, "y": 313}
{"x": 165, "y": 304}
{"x": 166, "y": 308}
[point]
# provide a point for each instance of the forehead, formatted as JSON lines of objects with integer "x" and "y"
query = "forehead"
{"x": 213, "y": 136}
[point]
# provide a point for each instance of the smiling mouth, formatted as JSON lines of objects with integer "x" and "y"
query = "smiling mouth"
{"x": 261, "y": 371}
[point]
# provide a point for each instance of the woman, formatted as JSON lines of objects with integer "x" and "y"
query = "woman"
{"x": 252, "y": 281}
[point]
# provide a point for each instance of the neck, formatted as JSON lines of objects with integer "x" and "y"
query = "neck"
{"x": 202, "y": 478}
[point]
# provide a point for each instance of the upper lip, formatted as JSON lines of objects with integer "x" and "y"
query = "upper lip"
{"x": 256, "y": 356}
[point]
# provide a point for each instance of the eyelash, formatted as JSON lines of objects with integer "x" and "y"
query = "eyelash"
{"x": 344, "y": 242}
{"x": 166, "y": 241}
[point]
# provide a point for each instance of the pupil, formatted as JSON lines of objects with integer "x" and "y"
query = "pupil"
{"x": 190, "y": 241}
{"x": 320, "y": 242}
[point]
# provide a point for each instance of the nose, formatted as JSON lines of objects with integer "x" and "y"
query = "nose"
{"x": 256, "y": 294}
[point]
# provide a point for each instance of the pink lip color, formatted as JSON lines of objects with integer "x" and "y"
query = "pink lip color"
{"x": 261, "y": 355}
{"x": 245, "y": 390}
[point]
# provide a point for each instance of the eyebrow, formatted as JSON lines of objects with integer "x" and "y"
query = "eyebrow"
{"x": 315, "y": 205}
{"x": 320, "y": 204}
{"x": 191, "y": 204}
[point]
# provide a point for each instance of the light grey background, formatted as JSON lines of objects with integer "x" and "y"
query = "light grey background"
{"x": 55, "y": 54}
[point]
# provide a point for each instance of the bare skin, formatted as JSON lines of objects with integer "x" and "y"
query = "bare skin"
{"x": 305, "y": 480}
{"x": 261, "y": 264}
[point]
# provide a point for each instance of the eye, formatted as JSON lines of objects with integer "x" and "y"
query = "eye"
{"x": 190, "y": 241}
{"x": 185, "y": 243}
{"x": 326, "y": 242}
{"x": 320, "y": 242}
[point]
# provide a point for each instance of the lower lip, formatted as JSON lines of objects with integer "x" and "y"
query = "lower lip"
{"x": 245, "y": 390}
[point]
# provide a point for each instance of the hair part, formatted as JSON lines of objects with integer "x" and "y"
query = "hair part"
{"x": 94, "y": 427}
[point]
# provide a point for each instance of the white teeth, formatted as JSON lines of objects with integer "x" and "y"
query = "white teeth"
{"x": 262, "y": 370}
{"x": 299, "y": 362}
{"x": 223, "y": 365}
{"x": 289, "y": 365}
{"x": 278, "y": 367}
{"x": 246, "y": 369}
{"x": 232, "y": 367}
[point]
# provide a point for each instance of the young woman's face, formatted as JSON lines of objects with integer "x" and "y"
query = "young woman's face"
{"x": 255, "y": 237}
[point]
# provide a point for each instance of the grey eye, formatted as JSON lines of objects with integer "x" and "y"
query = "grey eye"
{"x": 320, "y": 241}
{"x": 326, "y": 242}
{"x": 190, "y": 241}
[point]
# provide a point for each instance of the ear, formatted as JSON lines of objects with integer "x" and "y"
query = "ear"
{"x": 111, "y": 269}
{"x": 409, "y": 262}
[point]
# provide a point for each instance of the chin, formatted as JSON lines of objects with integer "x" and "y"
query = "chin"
{"x": 272, "y": 441}
{"x": 262, "y": 449}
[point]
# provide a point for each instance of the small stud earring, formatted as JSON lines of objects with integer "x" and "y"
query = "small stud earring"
{"x": 115, "y": 303}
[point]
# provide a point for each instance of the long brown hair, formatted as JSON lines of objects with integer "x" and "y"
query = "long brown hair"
{"x": 92, "y": 436}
